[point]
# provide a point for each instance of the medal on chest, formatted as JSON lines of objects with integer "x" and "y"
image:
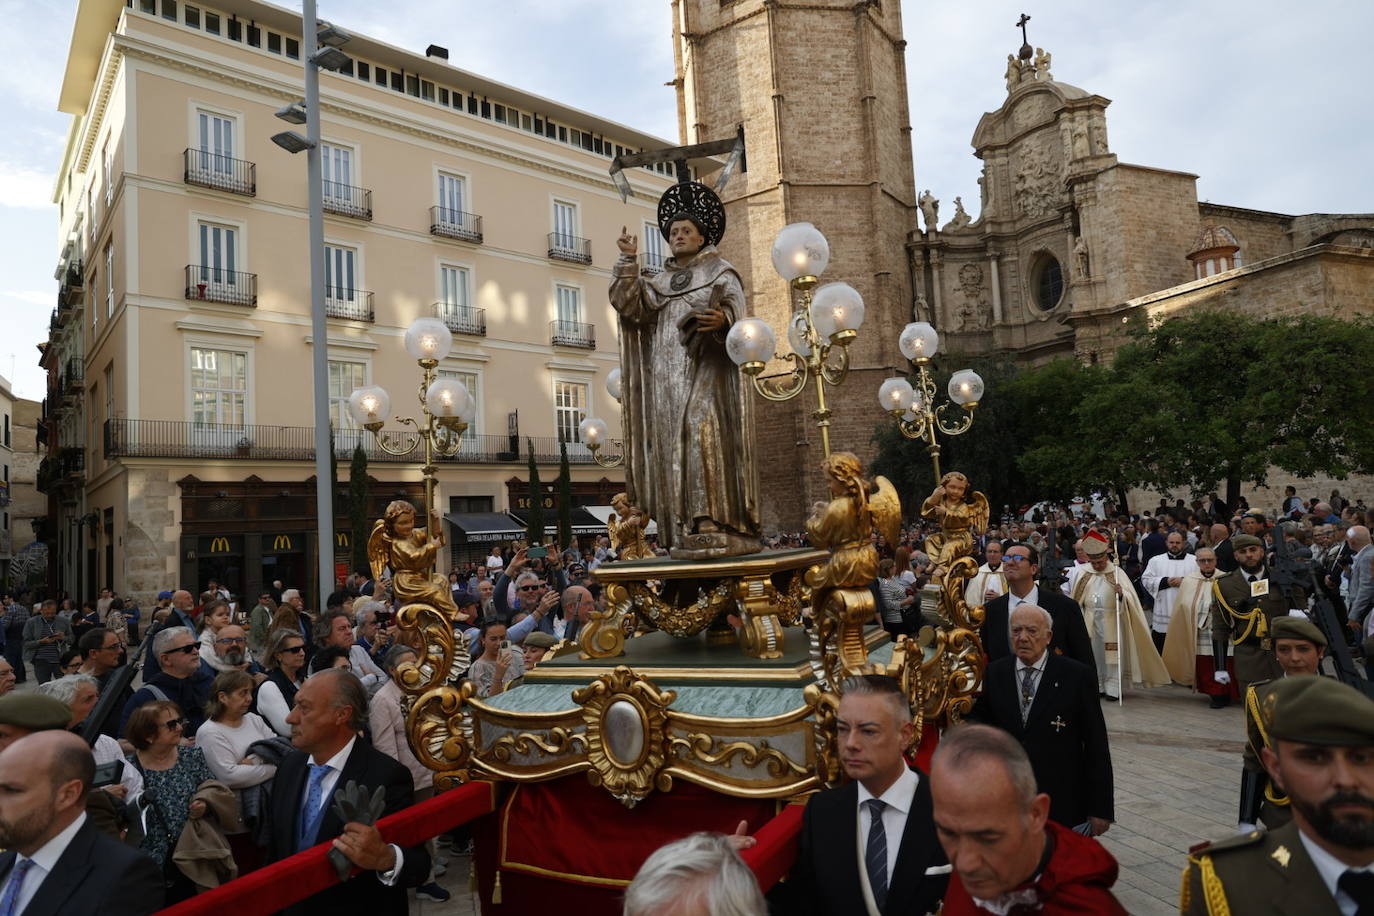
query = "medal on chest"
{"x": 681, "y": 280}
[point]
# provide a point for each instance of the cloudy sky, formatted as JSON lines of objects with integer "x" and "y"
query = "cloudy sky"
{"x": 1268, "y": 102}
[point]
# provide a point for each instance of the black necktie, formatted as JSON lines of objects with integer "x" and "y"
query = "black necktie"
{"x": 1254, "y": 579}
{"x": 1360, "y": 886}
{"x": 875, "y": 854}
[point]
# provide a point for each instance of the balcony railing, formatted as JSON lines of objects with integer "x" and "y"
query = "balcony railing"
{"x": 455, "y": 224}
{"x": 72, "y": 462}
{"x": 570, "y": 248}
{"x": 572, "y": 334}
{"x": 346, "y": 200}
{"x": 653, "y": 264}
{"x": 124, "y": 438}
{"x": 214, "y": 284}
{"x": 462, "y": 320}
{"x": 354, "y": 304}
{"x": 223, "y": 173}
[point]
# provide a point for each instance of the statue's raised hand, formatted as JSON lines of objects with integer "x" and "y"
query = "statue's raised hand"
{"x": 627, "y": 243}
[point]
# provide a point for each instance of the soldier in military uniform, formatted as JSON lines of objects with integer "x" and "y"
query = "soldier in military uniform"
{"x": 1244, "y": 608}
{"x": 1298, "y": 647}
{"x": 1323, "y": 757}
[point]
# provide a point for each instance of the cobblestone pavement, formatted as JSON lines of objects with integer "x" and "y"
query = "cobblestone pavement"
{"x": 1177, "y": 766}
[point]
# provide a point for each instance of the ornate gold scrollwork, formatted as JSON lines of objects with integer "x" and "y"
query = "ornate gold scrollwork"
{"x": 681, "y": 622}
{"x": 439, "y": 734}
{"x": 553, "y": 743}
{"x": 949, "y": 679}
{"x": 604, "y": 634}
{"x": 625, "y": 716}
{"x": 442, "y": 657}
{"x": 712, "y": 752}
{"x": 838, "y": 650}
{"x": 826, "y": 704}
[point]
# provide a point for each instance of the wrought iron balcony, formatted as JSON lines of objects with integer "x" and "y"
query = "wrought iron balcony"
{"x": 223, "y": 173}
{"x": 461, "y": 320}
{"x": 653, "y": 264}
{"x": 72, "y": 462}
{"x": 346, "y": 200}
{"x": 125, "y": 438}
{"x": 214, "y": 284}
{"x": 455, "y": 224}
{"x": 354, "y": 304}
{"x": 569, "y": 248}
{"x": 572, "y": 334}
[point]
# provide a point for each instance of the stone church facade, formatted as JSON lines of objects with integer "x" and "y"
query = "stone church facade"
{"x": 1068, "y": 242}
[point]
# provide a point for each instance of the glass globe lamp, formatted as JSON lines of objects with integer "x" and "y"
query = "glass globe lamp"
{"x": 966, "y": 388}
{"x": 592, "y": 432}
{"x": 428, "y": 338}
{"x": 613, "y": 383}
{"x": 895, "y": 395}
{"x": 750, "y": 344}
{"x": 450, "y": 402}
{"x": 800, "y": 251}
{"x": 837, "y": 312}
{"x": 918, "y": 341}
{"x": 369, "y": 406}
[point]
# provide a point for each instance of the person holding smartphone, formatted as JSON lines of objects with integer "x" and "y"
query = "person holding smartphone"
{"x": 499, "y": 665}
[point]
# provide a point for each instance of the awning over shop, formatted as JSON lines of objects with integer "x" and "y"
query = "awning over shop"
{"x": 484, "y": 527}
{"x": 603, "y": 514}
{"x": 583, "y": 522}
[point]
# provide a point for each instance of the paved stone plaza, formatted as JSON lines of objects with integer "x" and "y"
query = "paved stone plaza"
{"x": 1177, "y": 778}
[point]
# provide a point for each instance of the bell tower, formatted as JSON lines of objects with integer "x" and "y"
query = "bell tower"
{"x": 820, "y": 91}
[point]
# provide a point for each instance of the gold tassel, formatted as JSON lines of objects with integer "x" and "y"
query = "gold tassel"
{"x": 496, "y": 891}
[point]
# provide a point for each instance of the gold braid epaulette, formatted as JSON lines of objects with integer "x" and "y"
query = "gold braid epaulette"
{"x": 1255, "y": 620}
{"x": 1252, "y": 707}
{"x": 1213, "y": 893}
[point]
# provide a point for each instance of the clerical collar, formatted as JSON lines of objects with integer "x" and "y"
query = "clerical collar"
{"x": 1178, "y": 556}
{"x": 992, "y": 568}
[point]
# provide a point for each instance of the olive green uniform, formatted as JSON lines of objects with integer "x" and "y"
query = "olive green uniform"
{"x": 1246, "y": 623}
{"x": 1255, "y": 874}
{"x": 1274, "y": 812}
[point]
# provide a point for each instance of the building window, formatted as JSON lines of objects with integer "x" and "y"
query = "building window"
{"x": 109, "y": 392}
{"x": 453, "y": 287}
{"x": 364, "y": 71}
{"x": 107, "y": 162}
{"x": 569, "y": 303}
{"x": 293, "y": 49}
{"x": 380, "y": 73}
{"x": 219, "y": 386}
{"x": 570, "y": 409}
{"x": 398, "y": 82}
{"x": 274, "y": 42}
{"x": 453, "y": 197}
{"x": 344, "y": 379}
{"x": 337, "y": 163}
{"x": 148, "y": 6}
{"x": 443, "y": 96}
{"x": 192, "y": 14}
{"x": 218, "y": 254}
{"x": 472, "y": 383}
{"x": 565, "y": 224}
{"x": 653, "y": 246}
{"x": 235, "y": 29}
{"x": 212, "y": 22}
{"x": 1047, "y": 282}
{"x": 169, "y": 10}
{"x": 340, "y": 273}
{"x": 215, "y": 133}
{"x": 109, "y": 279}
{"x": 254, "y": 37}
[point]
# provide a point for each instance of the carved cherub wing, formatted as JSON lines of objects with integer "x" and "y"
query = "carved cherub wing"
{"x": 378, "y": 549}
{"x": 885, "y": 507}
{"x": 981, "y": 512}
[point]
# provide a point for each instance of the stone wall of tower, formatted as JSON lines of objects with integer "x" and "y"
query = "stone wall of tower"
{"x": 820, "y": 91}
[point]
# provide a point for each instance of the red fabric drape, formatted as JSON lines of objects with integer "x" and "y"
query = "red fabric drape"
{"x": 291, "y": 880}
{"x": 772, "y": 856}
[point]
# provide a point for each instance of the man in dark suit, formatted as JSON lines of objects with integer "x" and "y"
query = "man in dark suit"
{"x": 1049, "y": 703}
{"x": 870, "y": 845}
{"x": 1070, "y": 632}
{"x": 329, "y": 715}
{"x": 57, "y": 861}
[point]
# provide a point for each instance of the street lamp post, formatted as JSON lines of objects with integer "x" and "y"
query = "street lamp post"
{"x": 315, "y": 57}
{"x": 446, "y": 406}
{"x": 918, "y": 416}
{"x": 821, "y": 329}
{"x": 593, "y": 431}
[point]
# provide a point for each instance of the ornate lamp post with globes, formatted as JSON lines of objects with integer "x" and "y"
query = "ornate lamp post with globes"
{"x": 593, "y": 430}
{"x": 918, "y": 416}
{"x": 446, "y": 406}
{"x": 821, "y": 329}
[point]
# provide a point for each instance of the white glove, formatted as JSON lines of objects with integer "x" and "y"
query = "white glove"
{"x": 1222, "y": 677}
{"x": 1245, "y": 828}
{"x": 1295, "y": 612}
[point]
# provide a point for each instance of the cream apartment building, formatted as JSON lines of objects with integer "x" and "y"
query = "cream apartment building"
{"x": 180, "y": 378}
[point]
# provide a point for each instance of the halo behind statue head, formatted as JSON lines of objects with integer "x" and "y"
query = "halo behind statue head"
{"x": 692, "y": 200}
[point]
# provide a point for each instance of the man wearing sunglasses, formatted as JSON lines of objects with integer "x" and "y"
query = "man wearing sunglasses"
{"x": 183, "y": 679}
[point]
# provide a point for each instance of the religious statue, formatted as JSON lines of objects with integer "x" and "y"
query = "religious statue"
{"x": 1042, "y": 65}
{"x": 689, "y": 460}
{"x": 959, "y": 520}
{"x": 625, "y": 527}
{"x": 845, "y": 524}
{"x": 961, "y": 217}
{"x": 920, "y": 310}
{"x": 1080, "y": 256}
{"x": 1013, "y": 72}
{"x": 930, "y": 210}
{"x": 410, "y": 552}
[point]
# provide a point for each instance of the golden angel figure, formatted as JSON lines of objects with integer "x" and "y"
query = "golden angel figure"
{"x": 959, "y": 519}
{"x": 410, "y": 552}
{"x": 626, "y": 529}
{"x": 844, "y": 525}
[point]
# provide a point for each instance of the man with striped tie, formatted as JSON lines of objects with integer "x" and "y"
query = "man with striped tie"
{"x": 870, "y": 845}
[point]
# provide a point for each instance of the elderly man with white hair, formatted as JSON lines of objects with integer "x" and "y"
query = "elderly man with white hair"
{"x": 699, "y": 875}
{"x": 1049, "y": 703}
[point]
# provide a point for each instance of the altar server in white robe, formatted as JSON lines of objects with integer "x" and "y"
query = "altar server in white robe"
{"x": 1116, "y": 623}
{"x": 989, "y": 582}
{"x": 1188, "y": 650}
{"x": 1162, "y": 577}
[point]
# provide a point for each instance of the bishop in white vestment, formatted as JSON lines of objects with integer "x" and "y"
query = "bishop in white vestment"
{"x": 1116, "y": 623}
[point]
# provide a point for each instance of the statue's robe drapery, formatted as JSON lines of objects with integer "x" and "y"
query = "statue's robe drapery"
{"x": 688, "y": 449}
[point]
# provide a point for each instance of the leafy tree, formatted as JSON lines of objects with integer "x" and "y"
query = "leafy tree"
{"x": 357, "y": 507}
{"x": 534, "y": 521}
{"x": 565, "y": 538}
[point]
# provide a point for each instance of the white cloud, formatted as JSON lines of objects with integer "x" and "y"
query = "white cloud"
{"x": 25, "y": 187}
{"x": 33, "y": 296}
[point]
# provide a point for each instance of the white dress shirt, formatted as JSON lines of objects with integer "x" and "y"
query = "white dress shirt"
{"x": 336, "y": 765}
{"x": 44, "y": 860}
{"x": 1331, "y": 869}
{"x": 898, "y": 800}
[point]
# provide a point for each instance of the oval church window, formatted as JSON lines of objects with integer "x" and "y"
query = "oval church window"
{"x": 1047, "y": 282}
